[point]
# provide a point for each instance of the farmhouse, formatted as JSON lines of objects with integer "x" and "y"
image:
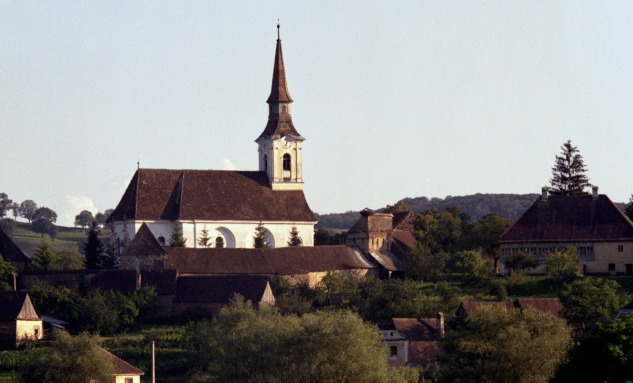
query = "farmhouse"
{"x": 18, "y": 319}
{"x": 592, "y": 223}
{"x": 411, "y": 341}
{"x": 229, "y": 205}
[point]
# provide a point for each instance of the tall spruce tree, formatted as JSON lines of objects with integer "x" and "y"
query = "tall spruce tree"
{"x": 94, "y": 250}
{"x": 176, "y": 239}
{"x": 44, "y": 258}
{"x": 205, "y": 239}
{"x": 295, "y": 239}
{"x": 259, "y": 241}
{"x": 568, "y": 173}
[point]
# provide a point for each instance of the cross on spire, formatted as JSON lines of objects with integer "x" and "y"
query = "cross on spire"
{"x": 278, "y": 29}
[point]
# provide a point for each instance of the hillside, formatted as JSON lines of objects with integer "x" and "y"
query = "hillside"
{"x": 68, "y": 238}
{"x": 506, "y": 205}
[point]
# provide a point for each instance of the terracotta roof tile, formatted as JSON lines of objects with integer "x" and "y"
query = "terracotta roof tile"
{"x": 405, "y": 238}
{"x": 570, "y": 218}
{"x": 420, "y": 329}
{"x": 222, "y": 288}
{"x": 121, "y": 367}
{"x": 283, "y": 260}
{"x": 144, "y": 243}
{"x": 10, "y": 251}
{"x": 422, "y": 352}
{"x": 217, "y": 195}
{"x": 404, "y": 220}
{"x": 11, "y": 303}
{"x": 470, "y": 306}
{"x": 551, "y": 305}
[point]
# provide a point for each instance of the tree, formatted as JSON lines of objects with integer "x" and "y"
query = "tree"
{"x": 422, "y": 264}
{"x": 588, "y": 300}
{"x": 486, "y": 233}
{"x": 71, "y": 360}
{"x": 628, "y": 208}
{"x": 6, "y": 274}
{"x": 15, "y": 208}
{"x": 44, "y": 257}
{"x": 27, "y": 209}
{"x": 440, "y": 232}
{"x": 108, "y": 213}
{"x": 520, "y": 261}
{"x": 259, "y": 241}
{"x": 8, "y": 226}
{"x": 44, "y": 226}
{"x": 100, "y": 218}
{"x": 45, "y": 213}
{"x": 5, "y": 204}
{"x": 568, "y": 173}
{"x": 611, "y": 344}
{"x": 295, "y": 239}
{"x": 94, "y": 250}
{"x": 219, "y": 242}
{"x": 69, "y": 260}
{"x": 205, "y": 239}
{"x": 474, "y": 269}
{"x": 112, "y": 247}
{"x": 563, "y": 264}
{"x": 400, "y": 206}
{"x": 176, "y": 239}
{"x": 84, "y": 219}
{"x": 494, "y": 344}
{"x": 316, "y": 347}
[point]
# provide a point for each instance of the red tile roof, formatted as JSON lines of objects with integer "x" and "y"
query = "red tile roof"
{"x": 551, "y": 305}
{"x": 284, "y": 260}
{"x": 469, "y": 306}
{"x": 220, "y": 288}
{"x": 10, "y": 251}
{"x": 217, "y": 195}
{"x": 121, "y": 367}
{"x": 420, "y": 329}
{"x": 422, "y": 352}
{"x": 570, "y": 218}
{"x": 404, "y": 220}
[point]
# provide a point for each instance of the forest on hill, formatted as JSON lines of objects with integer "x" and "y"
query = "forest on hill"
{"x": 509, "y": 206}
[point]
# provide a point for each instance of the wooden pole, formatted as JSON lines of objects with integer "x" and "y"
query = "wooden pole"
{"x": 153, "y": 363}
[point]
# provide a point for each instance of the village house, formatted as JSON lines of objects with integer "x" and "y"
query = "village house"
{"x": 123, "y": 371}
{"x": 18, "y": 319}
{"x": 11, "y": 253}
{"x": 229, "y": 205}
{"x": 592, "y": 223}
{"x": 412, "y": 341}
{"x": 385, "y": 239}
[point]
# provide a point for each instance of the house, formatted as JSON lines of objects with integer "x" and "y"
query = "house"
{"x": 11, "y": 253}
{"x": 541, "y": 305}
{"x": 592, "y": 223}
{"x": 411, "y": 341}
{"x": 385, "y": 239}
{"x": 229, "y": 205}
{"x": 18, "y": 319}
{"x": 298, "y": 264}
{"x": 123, "y": 371}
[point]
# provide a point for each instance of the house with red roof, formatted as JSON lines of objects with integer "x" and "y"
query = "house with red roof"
{"x": 123, "y": 371}
{"x": 412, "y": 341}
{"x": 229, "y": 205}
{"x": 591, "y": 223}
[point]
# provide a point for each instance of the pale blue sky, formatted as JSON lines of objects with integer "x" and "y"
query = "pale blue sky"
{"x": 395, "y": 99}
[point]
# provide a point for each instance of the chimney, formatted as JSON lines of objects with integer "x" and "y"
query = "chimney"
{"x": 594, "y": 192}
{"x": 440, "y": 323}
{"x": 544, "y": 190}
{"x": 138, "y": 282}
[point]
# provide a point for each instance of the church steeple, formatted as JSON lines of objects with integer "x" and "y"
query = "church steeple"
{"x": 280, "y": 143}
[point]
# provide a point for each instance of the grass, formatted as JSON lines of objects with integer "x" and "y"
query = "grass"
{"x": 68, "y": 238}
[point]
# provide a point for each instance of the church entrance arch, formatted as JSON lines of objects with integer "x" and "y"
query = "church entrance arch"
{"x": 227, "y": 235}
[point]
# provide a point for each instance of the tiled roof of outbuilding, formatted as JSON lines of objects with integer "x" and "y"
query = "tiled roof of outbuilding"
{"x": 422, "y": 352}
{"x": 121, "y": 367}
{"x": 10, "y": 251}
{"x": 551, "y": 305}
{"x": 124, "y": 281}
{"x": 220, "y": 288}
{"x": 283, "y": 260}
{"x": 404, "y": 220}
{"x": 570, "y": 218}
{"x": 217, "y": 195}
{"x": 144, "y": 243}
{"x": 470, "y": 306}
{"x": 11, "y": 303}
{"x": 416, "y": 328}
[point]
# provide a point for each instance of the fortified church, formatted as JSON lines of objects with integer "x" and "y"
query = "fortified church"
{"x": 229, "y": 204}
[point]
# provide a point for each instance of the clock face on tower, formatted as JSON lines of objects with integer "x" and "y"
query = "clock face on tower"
{"x": 286, "y": 142}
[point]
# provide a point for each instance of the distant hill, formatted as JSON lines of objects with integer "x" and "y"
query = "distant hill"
{"x": 506, "y": 205}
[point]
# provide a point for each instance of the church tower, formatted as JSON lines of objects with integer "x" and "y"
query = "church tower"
{"x": 280, "y": 143}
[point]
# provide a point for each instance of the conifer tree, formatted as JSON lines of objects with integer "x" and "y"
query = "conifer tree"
{"x": 44, "y": 258}
{"x": 205, "y": 240}
{"x": 628, "y": 208}
{"x": 295, "y": 239}
{"x": 219, "y": 242}
{"x": 93, "y": 249}
{"x": 176, "y": 239}
{"x": 112, "y": 248}
{"x": 126, "y": 236}
{"x": 259, "y": 242}
{"x": 568, "y": 173}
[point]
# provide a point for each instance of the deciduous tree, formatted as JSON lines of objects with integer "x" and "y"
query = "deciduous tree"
{"x": 494, "y": 344}
{"x": 400, "y": 206}
{"x": 6, "y": 274}
{"x": 588, "y": 300}
{"x": 100, "y": 218}
{"x": 520, "y": 261}
{"x": 44, "y": 226}
{"x": 5, "y": 204}
{"x": 423, "y": 264}
{"x": 568, "y": 173}
{"x": 84, "y": 219}
{"x": 45, "y": 213}
{"x": 563, "y": 264}
{"x": 27, "y": 209}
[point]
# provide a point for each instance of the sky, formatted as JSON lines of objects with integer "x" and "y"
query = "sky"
{"x": 395, "y": 98}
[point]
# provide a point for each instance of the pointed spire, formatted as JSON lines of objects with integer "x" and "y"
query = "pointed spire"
{"x": 279, "y": 90}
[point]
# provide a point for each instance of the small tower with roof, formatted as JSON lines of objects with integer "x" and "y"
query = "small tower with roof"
{"x": 280, "y": 143}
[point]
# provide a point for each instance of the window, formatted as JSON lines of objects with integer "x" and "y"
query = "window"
{"x": 129, "y": 380}
{"x": 620, "y": 248}
{"x": 37, "y": 332}
{"x": 393, "y": 350}
{"x": 611, "y": 266}
{"x": 265, "y": 163}
{"x": 287, "y": 161}
{"x": 161, "y": 240}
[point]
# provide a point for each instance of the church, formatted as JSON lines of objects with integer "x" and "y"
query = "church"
{"x": 229, "y": 205}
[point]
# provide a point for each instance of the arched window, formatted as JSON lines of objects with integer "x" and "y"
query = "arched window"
{"x": 284, "y": 109}
{"x": 161, "y": 240}
{"x": 265, "y": 163}
{"x": 287, "y": 161}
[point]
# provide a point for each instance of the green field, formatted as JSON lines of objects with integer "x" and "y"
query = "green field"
{"x": 68, "y": 238}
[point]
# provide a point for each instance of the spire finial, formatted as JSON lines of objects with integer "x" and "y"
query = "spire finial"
{"x": 278, "y": 29}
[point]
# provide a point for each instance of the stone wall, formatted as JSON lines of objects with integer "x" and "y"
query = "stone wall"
{"x": 28, "y": 329}
{"x": 69, "y": 278}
